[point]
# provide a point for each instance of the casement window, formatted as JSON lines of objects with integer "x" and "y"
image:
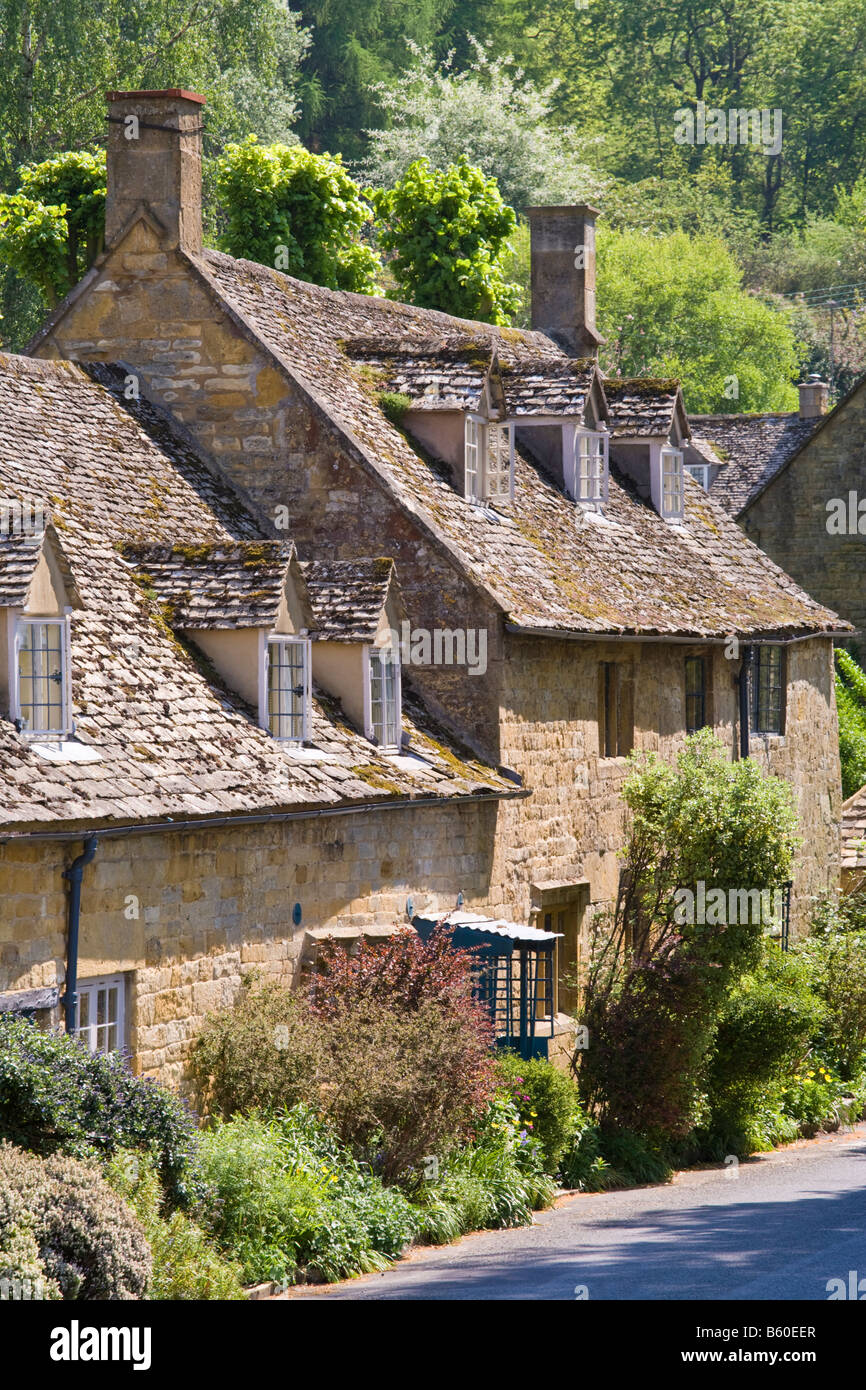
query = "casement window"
{"x": 672, "y": 483}
{"x": 615, "y": 709}
{"x": 497, "y": 482}
{"x": 472, "y": 461}
{"x": 288, "y": 686}
{"x": 383, "y": 697}
{"x": 590, "y": 466}
{"x": 696, "y": 694}
{"x": 41, "y": 696}
{"x": 487, "y": 460}
{"x": 101, "y": 1015}
{"x": 701, "y": 474}
{"x": 768, "y": 690}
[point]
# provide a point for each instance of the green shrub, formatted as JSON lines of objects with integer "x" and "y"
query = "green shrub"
{"x": 186, "y": 1265}
{"x": 56, "y": 1097}
{"x": 89, "y": 1242}
{"x": 289, "y": 1202}
{"x": 582, "y": 1165}
{"x": 393, "y": 1050}
{"x": 659, "y": 976}
{"x": 497, "y": 1181}
{"x": 764, "y": 1030}
{"x": 546, "y": 1099}
{"x": 633, "y": 1161}
{"x": 836, "y": 961}
{"x": 263, "y": 1053}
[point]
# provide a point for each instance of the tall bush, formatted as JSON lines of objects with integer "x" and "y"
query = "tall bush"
{"x": 658, "y": 976}
{"x": 57, "y": 1097}
{"x": 448, "y": 234}
{"x": 390, "y": 1047}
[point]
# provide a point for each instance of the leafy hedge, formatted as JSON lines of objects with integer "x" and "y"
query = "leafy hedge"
{"x": 56, "y": 1097}
{"x": 851, "y": 706}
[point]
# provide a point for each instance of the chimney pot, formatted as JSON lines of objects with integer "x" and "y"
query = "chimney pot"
{"x": 154, "y": 157}
{"x": 562, "y": 255}
{"x": 813, "y": 397}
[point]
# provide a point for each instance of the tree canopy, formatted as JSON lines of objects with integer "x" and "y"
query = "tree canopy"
{"x": 448, "y": 231}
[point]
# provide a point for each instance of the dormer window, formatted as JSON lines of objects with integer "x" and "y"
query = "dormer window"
{"x": 701, "y": 474}
{"x": 487, "y": 456}
{"x": 289, "y": 689}
{"x": 384, "y": 697}
{"x": 672, "y": 483}
{"x": 590, "y": 466}
{"x": 41, "y": 696}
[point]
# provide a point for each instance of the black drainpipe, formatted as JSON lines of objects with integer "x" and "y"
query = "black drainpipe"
{"x": 744, "y": 701}
{"x": 74, "y": 874}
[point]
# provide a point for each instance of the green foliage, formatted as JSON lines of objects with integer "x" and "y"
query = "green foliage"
{"x": 546, "y": 1099}
{"x": 674, "y": 306}
{"x": 657, "y": 985}
{"x": 355, "y": 47}
{"x": 836, "y": 959}
{"x": 442, "y": 113}
{"x": 395, "y": 1054}
{"x": 288, "y": 1202}
{"x": 448, "y": 234}
{"x": 89, "y": 1242}
{"x": 496, "y": 1181}
{"x": 296, "y": 211}
{"x": 851, "y": 707}
{"x": 394, "y": 405}
{"x": 264, "y": 1052}
{"x": 764, "y": 1031}
{"x": 185, "y": 1263}
{"x": 55, "y": 1096}
{"x": 51, "y": 230}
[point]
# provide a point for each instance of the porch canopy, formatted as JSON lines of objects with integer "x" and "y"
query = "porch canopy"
{"x": 514, "y": 974}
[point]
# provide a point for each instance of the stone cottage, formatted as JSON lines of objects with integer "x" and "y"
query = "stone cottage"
{"x": 356, "y": 603}
{"x": 796, "y": 484}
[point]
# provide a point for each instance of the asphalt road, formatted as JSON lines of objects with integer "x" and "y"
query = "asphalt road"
{"x": 785, "y": 1225}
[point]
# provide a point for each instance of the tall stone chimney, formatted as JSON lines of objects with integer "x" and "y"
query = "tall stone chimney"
{"x": 562, "y": 253}
{"x": 154, "y": 157}
{"x": 813, "y": 397}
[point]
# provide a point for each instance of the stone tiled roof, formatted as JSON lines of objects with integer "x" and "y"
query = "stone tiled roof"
{"x": 854, "y": 831}
{"x": 170, "y": 742}
{"x": 433, "y": 376}
{"x": 451, "y": 375}
{"x": 348, "y": 596}
{"x": 550, "y": 386}
{"x": 753, "y": 448}
{"x": 641, "y": 407}
{"x": 19, "y": 555}
{"x": 215, "y": 584}
{"x": 548, "y": 566}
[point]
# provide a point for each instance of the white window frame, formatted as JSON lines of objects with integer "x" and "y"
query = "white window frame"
{"x": 369, "y": 731}
{"x": 16, "y": 630}
{"x": 476, "y": 471}
{"x": 91, "y": 988}
{"x": 665, "y": 452}
{"x": 266, "y": 641}
{"x": 599, "y": 495}
{"x": 700, "y": 472}
{"x": 473, "y": 453}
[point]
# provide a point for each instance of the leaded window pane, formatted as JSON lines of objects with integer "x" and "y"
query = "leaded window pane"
{"x": 41, "y": 678}
{"x": 287, "y": 689}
